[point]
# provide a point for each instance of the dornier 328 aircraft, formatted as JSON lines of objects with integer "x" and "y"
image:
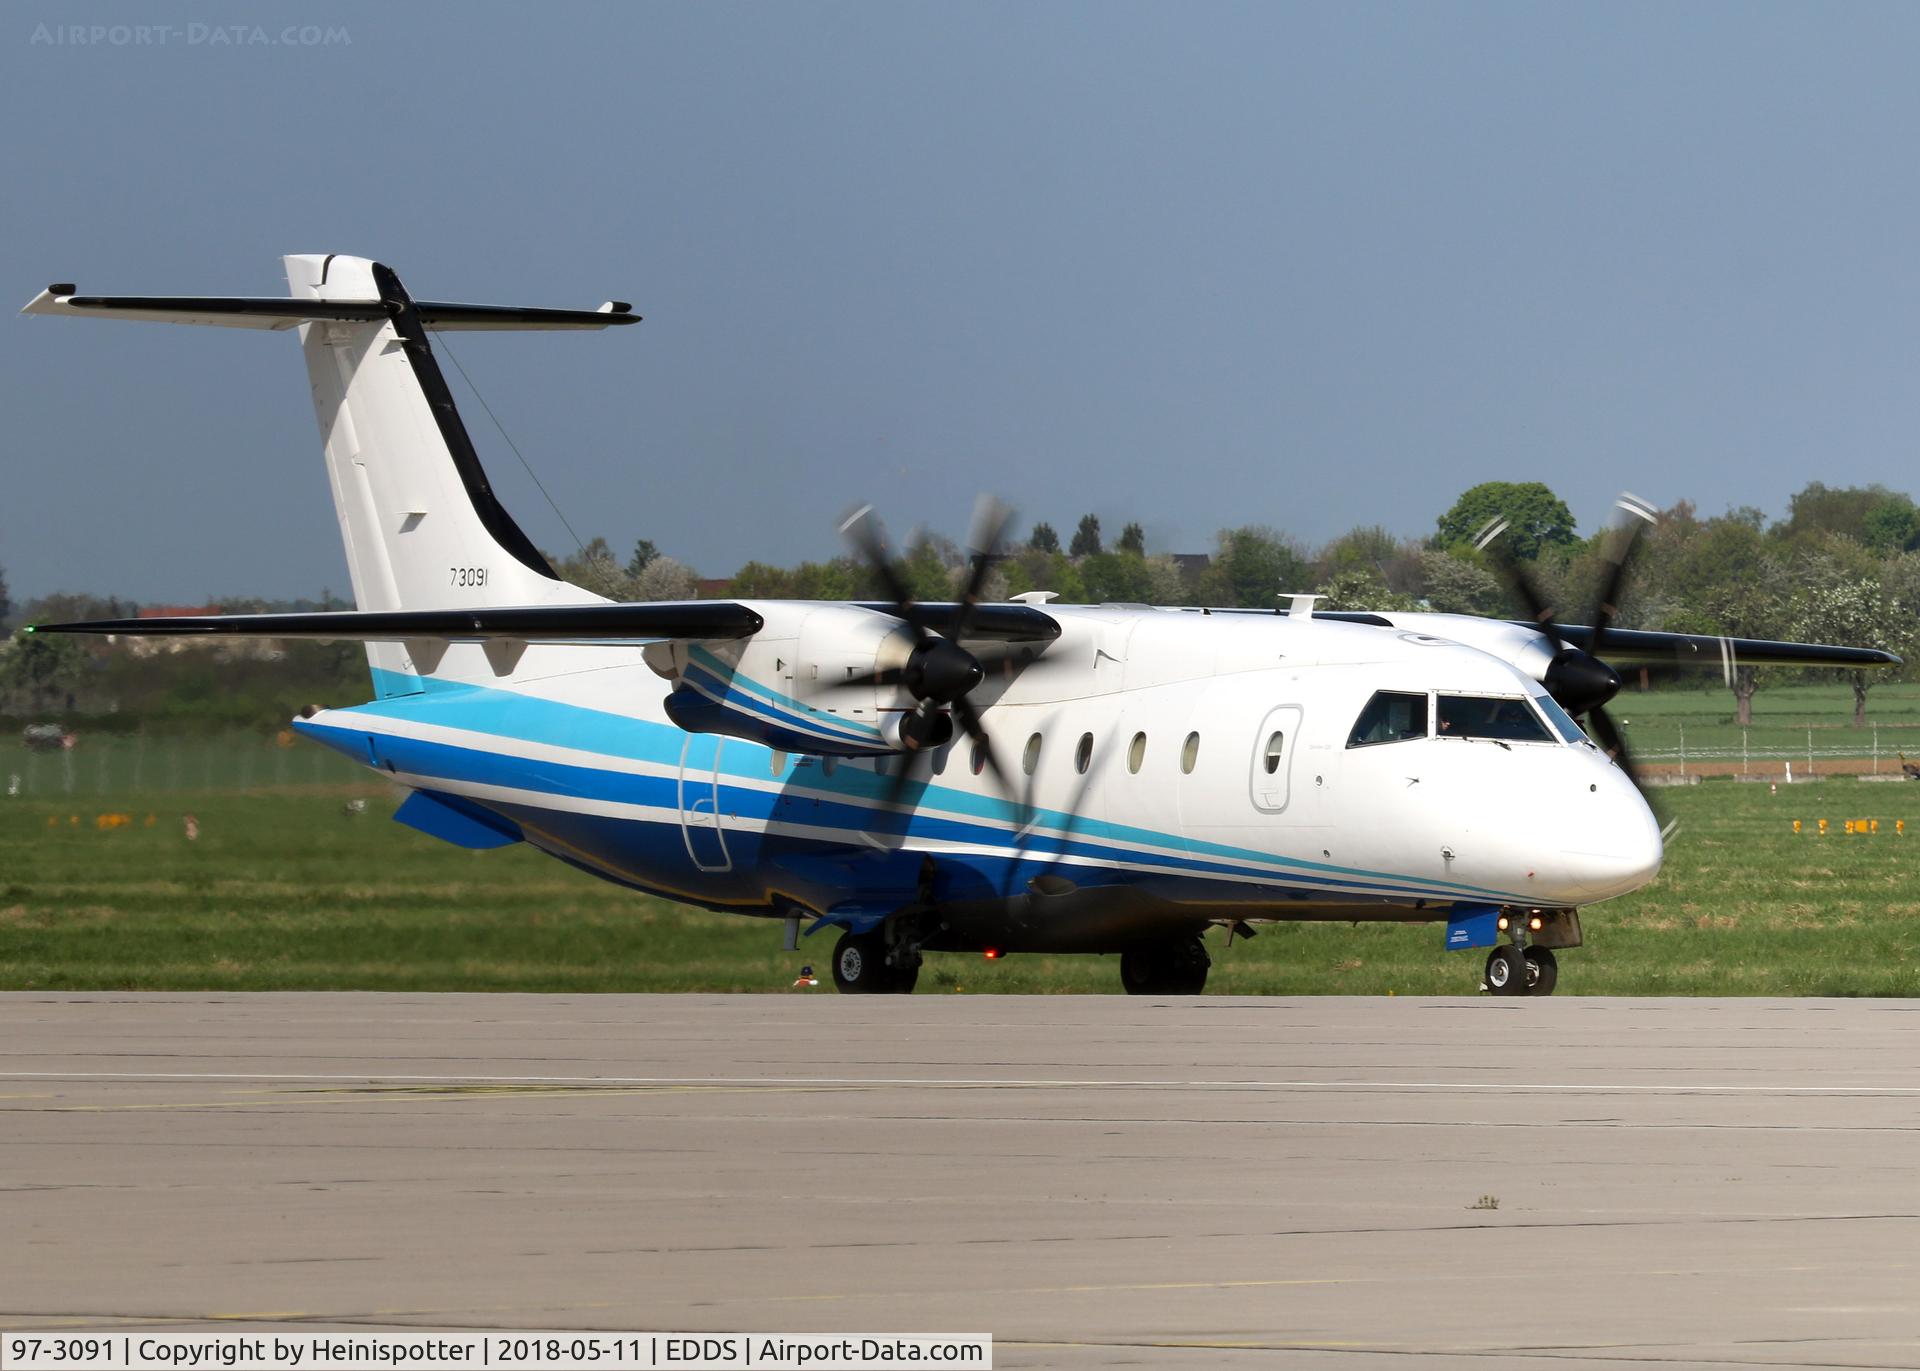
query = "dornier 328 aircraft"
{"x": 972, "y": 776}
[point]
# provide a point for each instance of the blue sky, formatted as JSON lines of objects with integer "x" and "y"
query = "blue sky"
{"x": 1197, "y": 265}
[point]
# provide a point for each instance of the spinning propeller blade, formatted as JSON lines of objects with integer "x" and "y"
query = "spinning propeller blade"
{"x": 1577, "y": 677}
{"x": 939, "y": 673}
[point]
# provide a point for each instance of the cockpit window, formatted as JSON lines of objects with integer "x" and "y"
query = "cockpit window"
{"x": 1562, "y": 721}
{"x": 1391, "y": 716}
{"x": 1481, "y": 716}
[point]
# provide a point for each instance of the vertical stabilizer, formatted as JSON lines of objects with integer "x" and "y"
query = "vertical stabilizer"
{"x": 420, "y": 522}
{"x": 422, "y": 527}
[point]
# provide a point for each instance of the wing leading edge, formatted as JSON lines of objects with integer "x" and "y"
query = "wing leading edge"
{"x": 702, "y": 619}
{"x": 1646, "y": 647}
{"x": 583, "y": 624}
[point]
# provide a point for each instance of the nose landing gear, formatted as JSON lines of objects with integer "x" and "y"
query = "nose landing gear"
{"x": 1506, "y": 971}
{"x": 1516, "y": 970}
{"x": 1542, "y": 970}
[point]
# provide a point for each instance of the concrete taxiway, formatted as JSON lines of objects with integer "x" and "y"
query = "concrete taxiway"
{"x": 1094, "y": 1180}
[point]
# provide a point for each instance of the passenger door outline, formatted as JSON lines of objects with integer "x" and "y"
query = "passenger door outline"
{"x": 1272, "y": 792}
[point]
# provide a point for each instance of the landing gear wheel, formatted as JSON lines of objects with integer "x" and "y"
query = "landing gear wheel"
{"x": 1542, "y": 971}
{"x": 860, "y": 967}
{"x": 860, "y": 964}
{"x": 1173, "y": 968}
{"x": 1506, "y": 971}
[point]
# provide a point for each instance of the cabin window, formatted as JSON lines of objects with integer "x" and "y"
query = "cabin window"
{"x": 1499, "y": 718}
{"x": 1137, "y": 753}
{"x": 978, "y": 762}
{"x": 1083, "y": 754}
{"x": 1031, "y": 757}
{"x": 1391, "y": 716}
{"x": 1562, "y": 721}
{"x": 940, "y": 759}
{"x": 829, "y": 765}
{"x": 1276, "y": 743}
{"x": 1189, "y": 753}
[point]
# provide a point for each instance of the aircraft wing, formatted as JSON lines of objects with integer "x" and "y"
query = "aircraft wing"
{"x": 1643, "y": 647}
{"x": 1624, "y": 646}
{"x": 605, "y": 623}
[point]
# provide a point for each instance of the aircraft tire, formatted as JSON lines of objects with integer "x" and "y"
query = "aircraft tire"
{"x": 1171, "y": 968}
{"x": 1542, "y": 971}
{"x": 1506, "y": 971}
{"x": 860, "y": 964}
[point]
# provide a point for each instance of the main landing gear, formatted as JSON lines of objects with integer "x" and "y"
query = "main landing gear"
{"x": 864, "y": 964}
{"x": 1175, "y": 967}
{"x": 1513, "y": 970}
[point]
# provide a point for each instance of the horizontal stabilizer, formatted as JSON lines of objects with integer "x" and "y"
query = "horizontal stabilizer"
{"x": 282, "y": 312}
{"x": 594, "y": 623}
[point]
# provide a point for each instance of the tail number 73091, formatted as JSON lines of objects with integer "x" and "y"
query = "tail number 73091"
{"x": 464, "y": 576}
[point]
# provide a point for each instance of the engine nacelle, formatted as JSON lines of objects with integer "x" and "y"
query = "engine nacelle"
{"x": 802, "y": 684}
{"x": 1576, "y": 679}
{"x": 1516, "y": 644}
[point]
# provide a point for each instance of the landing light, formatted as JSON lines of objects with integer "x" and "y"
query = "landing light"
{"x": 1536, "y": 923}
{"x": 992, "y": 954}
{"x": 1503, "y": 923}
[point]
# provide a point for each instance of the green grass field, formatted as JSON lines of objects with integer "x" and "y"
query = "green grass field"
{"x": 284, "y": 890}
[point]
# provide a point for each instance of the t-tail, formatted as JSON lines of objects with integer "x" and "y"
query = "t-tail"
{"x": 422, "y": 527}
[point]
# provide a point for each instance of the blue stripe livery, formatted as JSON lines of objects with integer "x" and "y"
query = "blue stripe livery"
{"x": 706, "y": 819}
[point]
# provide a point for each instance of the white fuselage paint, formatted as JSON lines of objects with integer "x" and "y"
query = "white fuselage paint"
{"x": 1392, "y": 830}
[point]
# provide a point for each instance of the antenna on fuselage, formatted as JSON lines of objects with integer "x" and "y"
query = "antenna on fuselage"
{"x": 1299, "y": 606}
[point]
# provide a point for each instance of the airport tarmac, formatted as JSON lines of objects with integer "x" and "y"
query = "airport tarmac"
{"x": 1095, "y": 1180}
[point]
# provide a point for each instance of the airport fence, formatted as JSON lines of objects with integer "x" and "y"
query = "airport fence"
{"x": 100, "y": 765}
{"x": 1771, "y": 748}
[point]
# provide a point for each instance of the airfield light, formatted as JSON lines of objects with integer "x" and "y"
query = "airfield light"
{"x": 992, "y": 954}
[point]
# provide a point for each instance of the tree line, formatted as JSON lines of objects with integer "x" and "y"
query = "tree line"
{"x": 1843, "y": 566}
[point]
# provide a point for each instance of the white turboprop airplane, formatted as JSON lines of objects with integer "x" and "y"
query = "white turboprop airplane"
{"x": 1003, "y": 777}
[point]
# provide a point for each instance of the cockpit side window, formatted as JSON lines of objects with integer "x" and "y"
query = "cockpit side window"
{"x": 1562, "y": 721}
{"x": 1391, "y": 716}
{"x": 1484, "y": 716}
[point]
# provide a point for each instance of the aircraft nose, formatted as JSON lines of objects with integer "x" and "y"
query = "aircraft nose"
{"x": 1617, "y": 846}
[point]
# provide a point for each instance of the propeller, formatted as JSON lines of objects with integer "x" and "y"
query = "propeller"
{"x": 939, "y": 673}
{"x": 1577, "y": 677}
